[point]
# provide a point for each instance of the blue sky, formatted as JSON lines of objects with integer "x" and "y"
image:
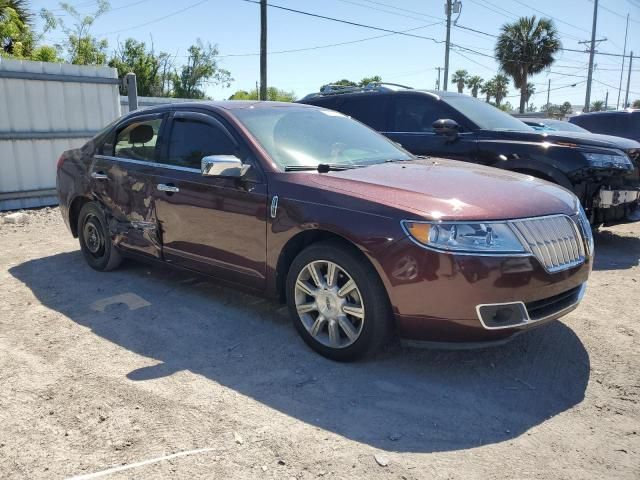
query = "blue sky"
{"x": 234, "y": 26}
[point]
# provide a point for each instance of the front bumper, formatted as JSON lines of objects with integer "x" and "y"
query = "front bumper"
{"x": 435, "y": 296}
{"x": 616, "y": 205}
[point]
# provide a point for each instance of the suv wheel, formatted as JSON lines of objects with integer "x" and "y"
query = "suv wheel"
{"x": 95, "y": 241}
{"x": 337, "y": 302}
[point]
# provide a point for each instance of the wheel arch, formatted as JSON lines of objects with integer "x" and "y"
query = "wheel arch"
{"x": 302, "y": 240}
{"x": 74, "y": 212}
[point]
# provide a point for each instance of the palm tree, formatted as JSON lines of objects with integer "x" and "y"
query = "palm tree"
{"x": 15, "y": 14}
{"x": 460, "y": 78}
{"x": 531, "y": 89}
{"x": 474, "y": 83}
{"x": 526, "y": 47}
{"x": 597, "y": 106}
{"x": 488, "y": 89}
{"x": 501, "y": 83}
{"x": 20, "y": 7}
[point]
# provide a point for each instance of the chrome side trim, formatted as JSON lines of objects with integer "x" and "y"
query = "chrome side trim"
{"x": 529, "y": 320}
{"x": 149, "y": 164}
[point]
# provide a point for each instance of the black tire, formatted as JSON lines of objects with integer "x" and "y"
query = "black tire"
{"x": 376, "y": 327}
{"x": 95, "y": 241}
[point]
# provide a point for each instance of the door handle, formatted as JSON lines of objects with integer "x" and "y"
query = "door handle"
{"x": 99, "y": 176}
{"x": 169, "y": 188}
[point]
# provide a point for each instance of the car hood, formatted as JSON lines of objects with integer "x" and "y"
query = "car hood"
{"x": 572, "y": 138}
{"x": 451, "y": 190}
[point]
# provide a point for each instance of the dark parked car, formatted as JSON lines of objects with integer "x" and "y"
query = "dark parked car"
{"x": 304, "y": 204}
{"x": 552, "y": 125}
{"x": 621, "y": 123}
{"x": 603, "y": 171}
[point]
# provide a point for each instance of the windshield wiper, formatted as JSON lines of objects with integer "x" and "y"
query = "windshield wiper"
{"x": 321, "y": 167}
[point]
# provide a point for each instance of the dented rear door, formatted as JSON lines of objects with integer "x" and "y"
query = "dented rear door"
{"x": 123, "y": 179}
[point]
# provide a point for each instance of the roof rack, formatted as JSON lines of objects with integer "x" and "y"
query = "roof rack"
{"x": 334, "y": 89}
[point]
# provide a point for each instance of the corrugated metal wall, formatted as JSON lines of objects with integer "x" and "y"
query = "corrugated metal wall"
{"x": 45, "y": 109}
{"x": 150, "y": 102}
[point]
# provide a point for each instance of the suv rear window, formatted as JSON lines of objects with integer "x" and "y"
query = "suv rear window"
{"x": 620, "y": 124}
{"x": 369, "y": 109}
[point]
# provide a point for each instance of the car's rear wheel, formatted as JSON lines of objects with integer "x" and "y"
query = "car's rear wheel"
{"x": 95, "y": 241}
{"x": 337, "y": 302}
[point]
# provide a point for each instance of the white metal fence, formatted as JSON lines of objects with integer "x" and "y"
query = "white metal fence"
{"x": 46, "y": 108}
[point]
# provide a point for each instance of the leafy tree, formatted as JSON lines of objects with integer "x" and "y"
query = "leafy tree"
{"x": 475, "y": 84}
{"x": 501, "y": 84}
{"x": 526, "y": 47}
{"x": 636, "y": 103}
{"x": 16, "y": 36}
{"x": 82, "y": 48}
{"x": 367, "y": 80}
{"x": 201, "y": 68}
{"x": 488, "y": 89}
{"x": 531, "y": 108}
{"x": 505, "y": 107}
{"x": 597, "y": 106}
{"x": 273, "y": 94}
{"x": 132, "y": 56}
{"x": 566, "y": 108}
{"x": 45, "y": 53}
{"x": 460, "y": 79}
{"x": 349, "y": 83}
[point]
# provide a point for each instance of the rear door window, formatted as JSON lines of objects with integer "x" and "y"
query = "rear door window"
{"x": 416, "y": 113}
{"x": 368, "y": 108}
{"x": 192, "y": 140}
{"x": 138, "y": 140}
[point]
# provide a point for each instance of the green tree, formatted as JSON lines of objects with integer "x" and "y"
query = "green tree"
{"x": 16, "y": 35}
{"x": 81, "y": 47}
{"x": 531, "y": 89}
{"x": 45, "y": 53}
{"x": 488, "y": 89}
{"x": 133, "y": 56}
{"x": 636, "y": 103}
{"x": 475, "y": 84}
{"x": 367, "y": 80}
{"x": 202, "y": 68}
{"x": 526, "y": 47}
{"x": 460, "y": 79}
{"x": 597, "y": 106}
{"x": 531, "y": 108}
{"x": 566, "y": 108}
{"x": 349, "y": 83}
{"x": 273, "y": 94}
{"x": 501, "y": 84}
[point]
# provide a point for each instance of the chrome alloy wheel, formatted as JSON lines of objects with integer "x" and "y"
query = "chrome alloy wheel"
{"x": 329, "y": 304}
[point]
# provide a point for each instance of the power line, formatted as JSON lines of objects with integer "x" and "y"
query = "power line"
{"x": 369, "y": 7}
{"x": 551, "y": 16}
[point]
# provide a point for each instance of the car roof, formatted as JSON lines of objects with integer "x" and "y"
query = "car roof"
{"x": 382, "y": 89}
{"x": 609, "y": 112}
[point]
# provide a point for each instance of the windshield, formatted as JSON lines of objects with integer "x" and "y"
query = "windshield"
{"x": 563, "y": 126}
{"x": 484, "y": 115}
{"x": 309, "y": 136}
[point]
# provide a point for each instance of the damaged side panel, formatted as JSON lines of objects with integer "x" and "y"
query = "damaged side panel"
{"x": 125, "y": 189}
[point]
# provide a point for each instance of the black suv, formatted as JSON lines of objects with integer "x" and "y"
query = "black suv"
{"x": 622, "y": 123}
{"x": 603, "y": 171}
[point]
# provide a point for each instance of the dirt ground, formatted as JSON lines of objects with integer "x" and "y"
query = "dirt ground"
{"x": 101, "y": 370}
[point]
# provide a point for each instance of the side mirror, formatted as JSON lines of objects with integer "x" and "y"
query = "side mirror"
{"x": 228, "y": 166}
{"x": 447, "y": 128}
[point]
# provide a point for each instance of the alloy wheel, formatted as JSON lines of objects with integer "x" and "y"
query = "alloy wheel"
{"x": 329, "y": 304}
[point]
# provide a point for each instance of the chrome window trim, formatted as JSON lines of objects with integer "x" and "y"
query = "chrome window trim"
{"x": 148, "y": 164}
{"x": 529, "y": 320}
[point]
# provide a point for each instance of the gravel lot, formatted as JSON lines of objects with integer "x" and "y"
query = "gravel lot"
{"x": 105, "y": 370}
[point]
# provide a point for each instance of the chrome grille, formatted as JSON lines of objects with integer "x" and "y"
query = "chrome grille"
{"x": 555, "y": 241}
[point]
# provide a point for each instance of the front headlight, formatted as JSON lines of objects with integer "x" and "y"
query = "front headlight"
{"x": 606, "y": 160}
{"x": 488, "y": 237}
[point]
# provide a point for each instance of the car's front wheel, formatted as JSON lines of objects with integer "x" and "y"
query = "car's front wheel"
{"x": 337, "y": 302}
{"x": 95, "y": 241}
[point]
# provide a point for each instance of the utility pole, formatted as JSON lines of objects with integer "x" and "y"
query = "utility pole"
{"x": 548, "y": 94}
{"x": 448, "y": 8}
{"x": 263, "y": 49}
{"x": 624, "y": 53}
{"x": 587, "y": 99}
{"x": 626, "y": 97}
{"x": 606, "y": 101}
{"x": 438, "y": 81}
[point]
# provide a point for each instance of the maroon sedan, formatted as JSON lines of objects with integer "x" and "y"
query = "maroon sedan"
{"x": 359, "y": 237}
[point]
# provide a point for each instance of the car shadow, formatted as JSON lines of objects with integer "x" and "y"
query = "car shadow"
{"x": 401, "y": 400}
{"x": 615, "y": 252}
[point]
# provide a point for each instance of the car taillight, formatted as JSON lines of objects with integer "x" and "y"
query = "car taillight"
{"x": 60, "y": 161}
